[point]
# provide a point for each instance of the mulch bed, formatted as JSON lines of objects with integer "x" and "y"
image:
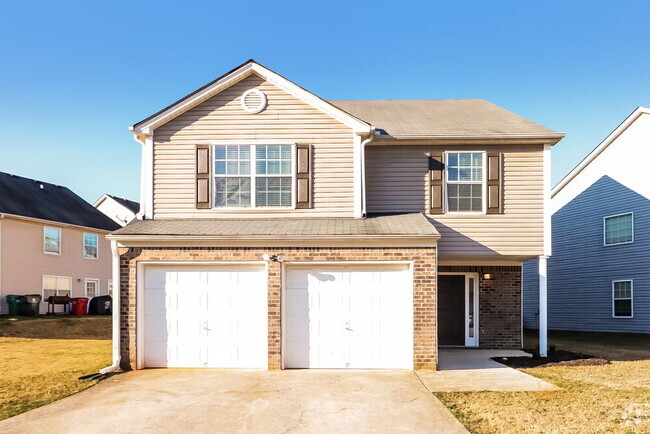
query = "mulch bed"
{"x": 555, "y": 358}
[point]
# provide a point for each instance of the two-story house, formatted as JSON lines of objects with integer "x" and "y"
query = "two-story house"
{"x": 52, "y": 242}
{"x": 599, "y": 276}
{"x": 280, "y": 230}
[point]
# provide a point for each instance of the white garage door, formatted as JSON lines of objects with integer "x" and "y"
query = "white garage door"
{"x": 354, "y": 316}
{"x": 205, "y": 316}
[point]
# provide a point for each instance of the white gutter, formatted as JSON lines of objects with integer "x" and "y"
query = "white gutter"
{"x": 363, "y": 171}
{"x": 116, "y": 311}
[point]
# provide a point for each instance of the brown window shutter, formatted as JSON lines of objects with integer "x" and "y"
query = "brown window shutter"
{"x": 304, "y": 177}
{"x": 437, "y": 181}
{"x": 495, "y": 183}
{"x": 203, "y": 177}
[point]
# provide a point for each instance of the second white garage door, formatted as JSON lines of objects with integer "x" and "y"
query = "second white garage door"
{"x": 205, "y": 316}
{"x": 348, "y": 316}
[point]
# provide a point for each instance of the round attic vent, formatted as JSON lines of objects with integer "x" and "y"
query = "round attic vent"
{"x": 253, "y": 101}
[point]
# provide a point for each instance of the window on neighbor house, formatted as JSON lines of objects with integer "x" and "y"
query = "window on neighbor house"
{"x": 619, "y": 229}
{"x": 52, "y": 240}
{"x": 253, "y": 176}
{"x": 91, "y": 241}
{"x": 92, "y": 288}
{"x": 622, "y": 293}
{"x": 465, "y": 181}
{"x": 109, "y": 287}
{"x": 56, "y": 285}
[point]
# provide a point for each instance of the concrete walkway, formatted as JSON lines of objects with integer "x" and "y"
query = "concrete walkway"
{"x": 231, "y": 401}
{"x": 473, "y": 370}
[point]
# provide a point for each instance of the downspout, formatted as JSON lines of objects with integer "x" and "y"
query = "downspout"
{"x": 363, "y": 171}
{"x": 116, "y": 311}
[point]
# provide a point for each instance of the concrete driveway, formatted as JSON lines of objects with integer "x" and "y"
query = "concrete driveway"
{"x": 194, "y": 400}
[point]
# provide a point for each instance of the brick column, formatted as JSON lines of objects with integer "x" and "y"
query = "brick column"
{"x": 274, "y": 315}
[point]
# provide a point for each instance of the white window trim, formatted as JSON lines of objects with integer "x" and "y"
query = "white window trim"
{"x": 631, "y": 214}
{"x": 43, "y": 299}
{"x": 60, "y": 241}
{"x": 631, "y": 299}
{"x": 97, "y": 292}
{"x": 483, "y": 182}
{"x": 83, "y": 249}
{"x": 253, "y": 175}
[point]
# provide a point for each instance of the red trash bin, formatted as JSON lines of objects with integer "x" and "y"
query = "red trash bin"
{"x": 79, "y": 306}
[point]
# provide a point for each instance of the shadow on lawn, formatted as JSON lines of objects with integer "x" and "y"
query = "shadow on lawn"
{"x": 610, "y": 346}
{"x": 59, "y": 327}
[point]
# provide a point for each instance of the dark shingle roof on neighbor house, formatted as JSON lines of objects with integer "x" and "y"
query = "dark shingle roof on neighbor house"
{"x": 41, "y": 200}
{"x": 381, "y": 225}
{"x": 445, "y": 118}
{"x": 132, "y": 206}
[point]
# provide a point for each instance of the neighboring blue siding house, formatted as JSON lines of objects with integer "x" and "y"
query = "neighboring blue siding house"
{"x": 599, "y": 272}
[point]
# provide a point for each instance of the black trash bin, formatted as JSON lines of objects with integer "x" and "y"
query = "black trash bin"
{"x": 31, "y": 305}
{"x": 101, "y": 305}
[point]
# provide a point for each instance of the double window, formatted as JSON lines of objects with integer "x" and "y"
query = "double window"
{"x": 622, "y": 298}
{"x": 618, "y": 229}
{"x": 465, "y": 181}
{"x": 91, "y": 241}
{"x": 52, "y": 240}
{"x": 253, "y": 176}
{"x": 56, "y": 285}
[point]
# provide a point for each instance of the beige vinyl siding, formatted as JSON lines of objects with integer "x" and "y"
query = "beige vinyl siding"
{"x": 221, "y": 117}
{"x": 24, "y": 263}
{"x": 398, "y": 181}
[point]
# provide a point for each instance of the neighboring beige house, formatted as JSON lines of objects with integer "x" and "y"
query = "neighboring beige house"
{"x": 52, "y": 242}
{"x": 280, "y": 230}
{"x": 121, "y": 211}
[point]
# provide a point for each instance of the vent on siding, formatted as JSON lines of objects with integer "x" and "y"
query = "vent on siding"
{"x": 253, "y": 101}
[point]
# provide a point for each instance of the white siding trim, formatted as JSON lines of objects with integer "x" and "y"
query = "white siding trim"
{"x": 548, "y": 245}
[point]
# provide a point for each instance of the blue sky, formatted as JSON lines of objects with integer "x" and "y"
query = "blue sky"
{"x": 75, "y": 75}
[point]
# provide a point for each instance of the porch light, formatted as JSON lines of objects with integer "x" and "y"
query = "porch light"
{"x": 274, "y": 258}
{"x": 487, "y": 276}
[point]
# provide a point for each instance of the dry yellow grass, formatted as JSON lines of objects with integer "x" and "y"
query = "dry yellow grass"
{"x": 593, "y": 399}
{"x": 42, "y": 359}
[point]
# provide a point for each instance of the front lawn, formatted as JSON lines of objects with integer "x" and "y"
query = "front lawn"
{"x": 41, "y": 359}
{"x": 606, "y": 398}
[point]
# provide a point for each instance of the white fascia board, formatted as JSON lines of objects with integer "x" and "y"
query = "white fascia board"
{"x": 100, "y": 200}
{"x": 359, "y": 127}
{"x": 600, "y": 148}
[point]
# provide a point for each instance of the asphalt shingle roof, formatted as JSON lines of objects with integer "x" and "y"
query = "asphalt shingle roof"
{"x": 386, "y": 225}
{"x": 41, "y": 200}
{"x": 443, "y": 118}
{"x": 132, "y": 206}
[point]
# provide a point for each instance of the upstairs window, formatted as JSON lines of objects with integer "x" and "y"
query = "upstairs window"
{"x": 622, "y": 298}
{"x": 619, "y": 229}
{"x": 90, "y": 246}
{"x": 253, "y": 176}
{"x": 465, "y": 182}
{"x": 52, "y": 240}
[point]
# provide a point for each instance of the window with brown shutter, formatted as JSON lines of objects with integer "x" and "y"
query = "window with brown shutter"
{"x": 203, "y": 177}
{"x": 304, "y": 177}
{"x": 494, "y": 183}
{"x": 437, "y": 183}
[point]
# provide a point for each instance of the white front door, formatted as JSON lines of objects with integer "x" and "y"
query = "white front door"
{"x": 205, "y": 316}
{"x": 348, "y": 316}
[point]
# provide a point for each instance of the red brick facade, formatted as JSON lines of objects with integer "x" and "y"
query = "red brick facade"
{"x": 500, "y": 324}
{"x": 424, "y": 289}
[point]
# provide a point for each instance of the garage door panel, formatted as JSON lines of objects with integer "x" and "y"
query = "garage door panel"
{"x": 358, "y": 316}
{"x": 205, "y": 316}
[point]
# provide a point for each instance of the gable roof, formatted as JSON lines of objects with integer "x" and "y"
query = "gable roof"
{"x": 600, "y": 148}
{"x": 132, "y": 206}
{"x": 455, "y": 118}
{"x": 146, "y": 126}
{"x": 41, "y": 200}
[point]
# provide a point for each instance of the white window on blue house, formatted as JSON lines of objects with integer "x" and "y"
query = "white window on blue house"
{"x": 619, "y": 229}
{"x": 622, "y": 298}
